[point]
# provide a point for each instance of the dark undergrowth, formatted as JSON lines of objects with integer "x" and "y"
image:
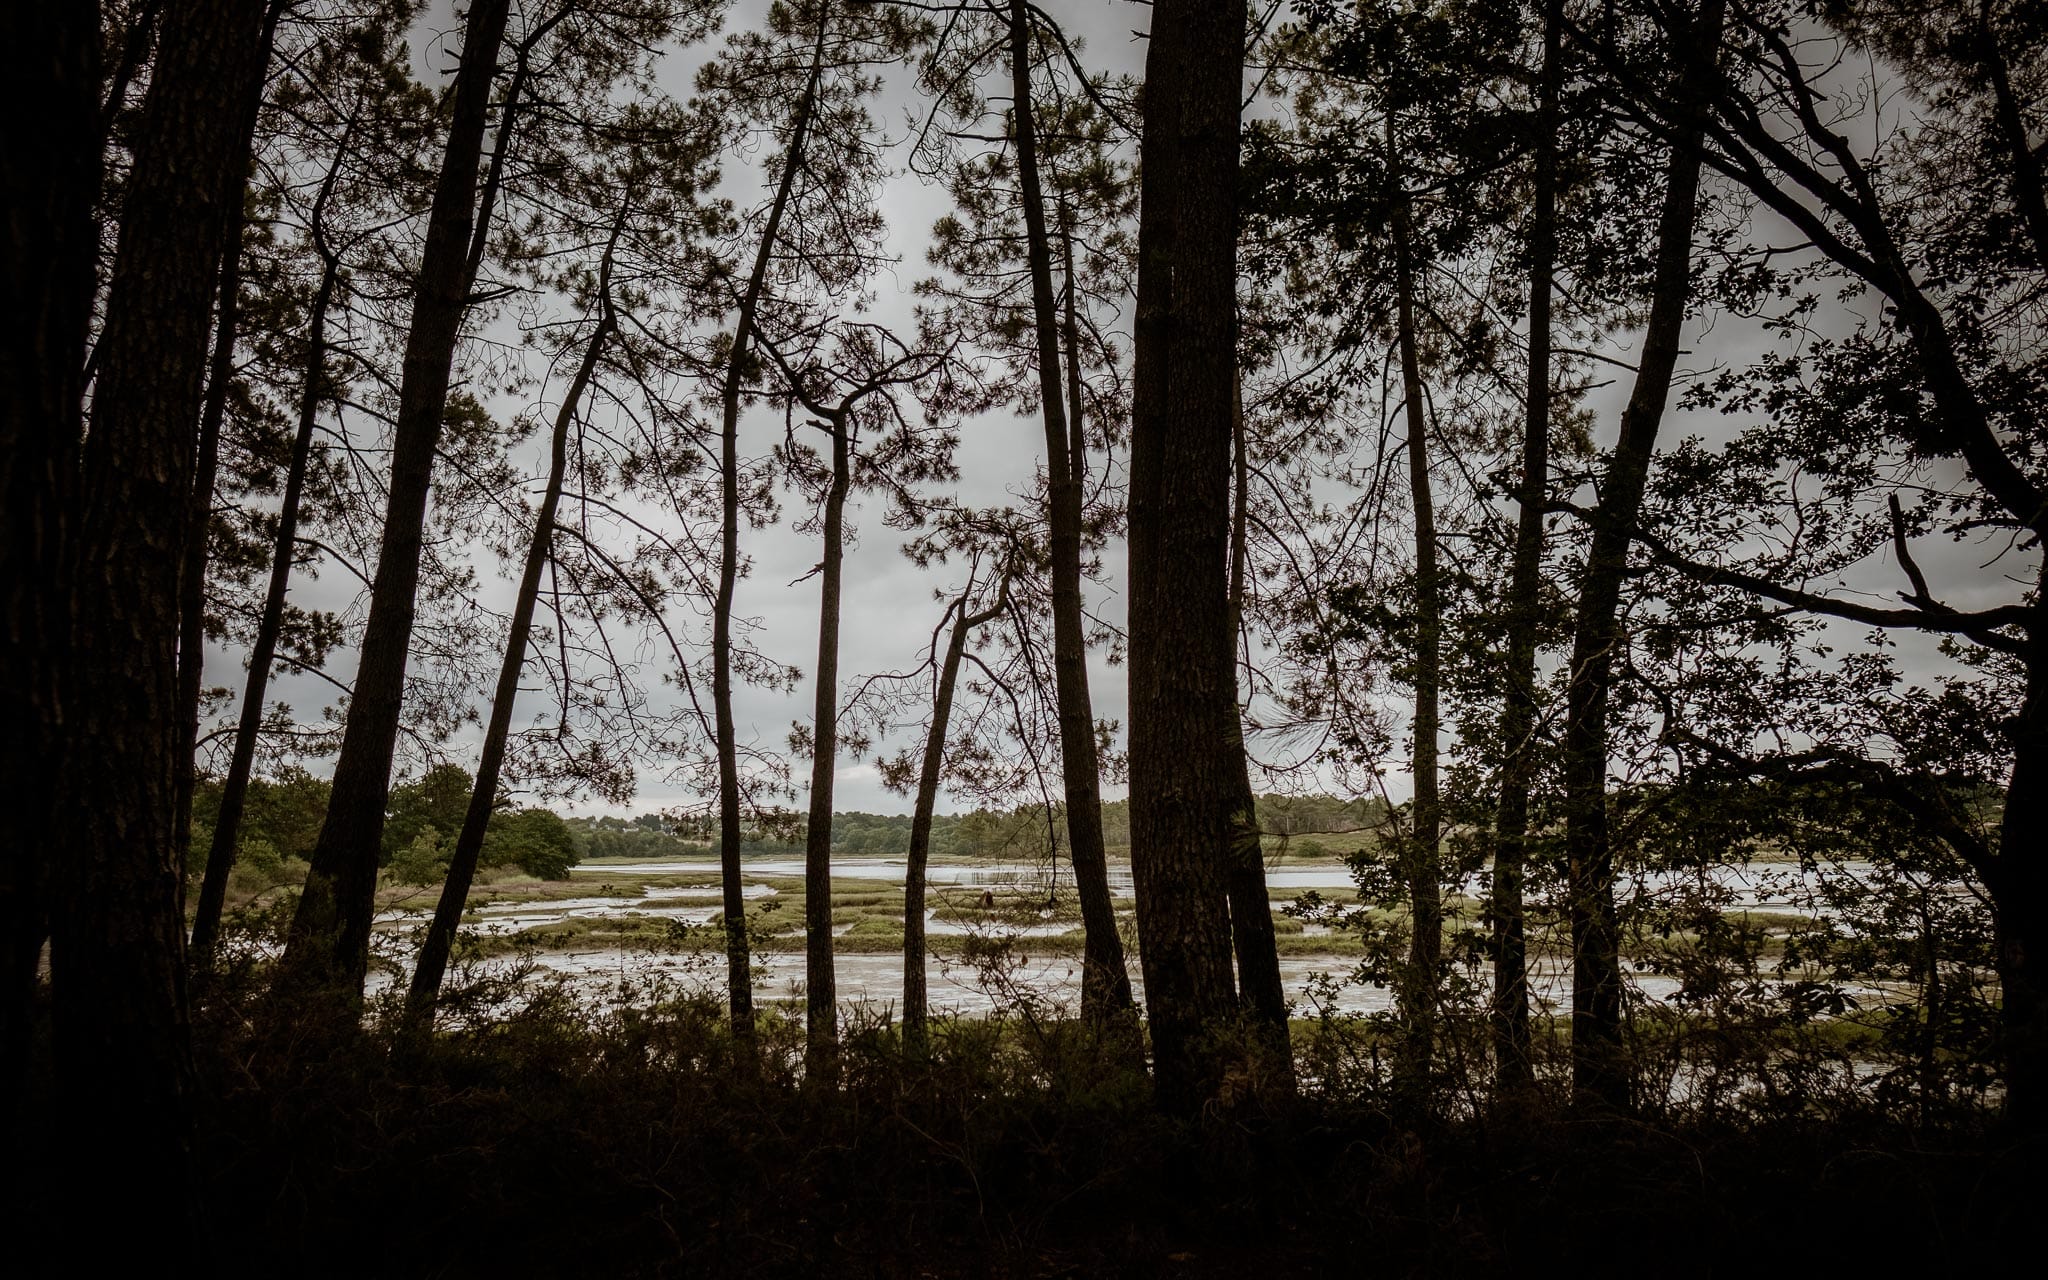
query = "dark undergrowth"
{"x": 540, "y": 1139}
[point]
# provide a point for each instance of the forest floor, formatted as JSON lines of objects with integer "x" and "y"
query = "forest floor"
{"x": 546, "y": 1143}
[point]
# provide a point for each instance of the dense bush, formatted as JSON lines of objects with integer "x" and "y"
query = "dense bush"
{"x": 542, "y": 1130}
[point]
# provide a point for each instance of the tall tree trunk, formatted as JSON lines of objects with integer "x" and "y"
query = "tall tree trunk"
{"x": 1600, "y": 1074}
{"x": 227, "y": 827}
{"x": 1512, "y": 1072}
{"x": 914, "y": 997}
{"x": 1105, "y": 983}
{"x": 1183, "y": 689}
{"x": 738, "y": 960}
{"x": 329, "y": 942}
{"x": 2018, "y": 888}
{"x": 821, "y": 992}
{"x": 117, "y": 963}
{"x": 1259, "y": 987}
{"x": 192, "y": 574}
{"x": 49, "y": 179}
{"x": 508, "y": 123}
{"x": 483, "y": 798}
{"x": 1418, "y": 994}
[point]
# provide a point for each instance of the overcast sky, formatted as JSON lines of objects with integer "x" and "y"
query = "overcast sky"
{"x": 889, "y": 610}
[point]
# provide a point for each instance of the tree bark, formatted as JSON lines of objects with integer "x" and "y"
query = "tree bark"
{"x": 1512, "y": 1071}
{"x": 329, "y": 941}
{"x": 914, "y": 997}
{"x": 821, "y": 993}
{"x": 220, "y": 857}
{"x": 49, "y": 180}
{"x": 1183, "y": 702}
{"x": 1105, "y": 984}
{"x": 1600, "y": 1073}
{"x": 1418, "y": 993}
{"x": 117, "y": 964}
{"x": 738, "y": 960}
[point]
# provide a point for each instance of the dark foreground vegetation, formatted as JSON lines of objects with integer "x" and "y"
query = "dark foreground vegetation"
{"x": 539, "y": 1139}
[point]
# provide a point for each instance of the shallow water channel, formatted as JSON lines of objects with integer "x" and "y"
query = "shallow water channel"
{"x": 1765, "y": 886}
{"x": 955, "y": 985}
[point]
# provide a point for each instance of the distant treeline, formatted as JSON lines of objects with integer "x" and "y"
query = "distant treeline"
{"x": 424, "y": 816}
{"x": 1023, "y": 831}
{"x": 422, "y": 819}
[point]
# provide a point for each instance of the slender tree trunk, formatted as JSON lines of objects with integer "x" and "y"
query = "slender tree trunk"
{"x": 136, "y": 43}
{"x": 192, "y": 574}
{"x": 1105, "y": 984}
{"x": 914, "y": 997}
{"x": 469, "y": 845}
{"x": 1418, "y": 994}
{"x": 1600, "y": 1074}
{"x": 738, "y": 960}
{"x": 227, "y": 826}
{"x": 330, "y": 933}
{"x": 117, "y": 964}
{"x": 501, "y": 146}
{"x": 1512, "y": 1072}
{"x": 220, "y": 857}
{"x": 1251, "y": 906}
{"x": 821, "y": 992}
{"x": 1930, "y": 1008}
{"x": 2022, "y": 160}
{"x": 49, "y": 179}
{"x": 1070, "y": 331}
{"x": 1183, "y": 693}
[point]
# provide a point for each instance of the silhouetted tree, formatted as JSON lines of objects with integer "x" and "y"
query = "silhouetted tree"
{"x": 1182, "y": 672}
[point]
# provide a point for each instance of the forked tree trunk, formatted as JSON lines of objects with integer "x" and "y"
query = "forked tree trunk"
{"x": 329, "y": 941}
{"x": 1105, "y": 984}
{"x": 49, "y": 179}
{"x": 1512, "y": 1071}
{"x": 821, "y": 993}
{"x": 440, "y": 940}
{"x": 738, "y": 960}
{"x": 1418, "y": 992}
{"x": 509, "y": 116}
{"x": 1183, "y": 698}
{"x": 117, "y": 944}
{"x": 929, "y": 770}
